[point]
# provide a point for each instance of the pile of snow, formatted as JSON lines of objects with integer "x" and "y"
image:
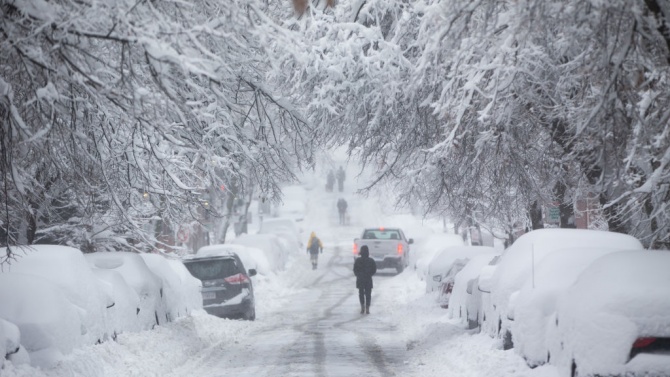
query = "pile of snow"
{"x": 619, "y": 298}
{"x": 518, "y": 261}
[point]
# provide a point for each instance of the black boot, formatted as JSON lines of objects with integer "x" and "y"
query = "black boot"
{"x": 362, "y": 309}
{"x": 367, "y": 310}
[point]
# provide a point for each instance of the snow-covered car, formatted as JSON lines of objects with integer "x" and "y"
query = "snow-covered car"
{"x": 464, "y": 302}
{"x": 425, "y": 249}
{"x": 138, "y": 275}
{"x": 66, "y": 268}
{"x": 285, "y": 228}
{"x": 275, "y": 250}
{"x": 49, "y": 325}
{"x": 227, "y": 289}
{"x": 518, "y": 261}
{"x": 440, "y": 267}
{"x": 293, "y": 209}
{"x": 175, "y": 289}
{"x": 535, "y": 305}
{"x": 615, "y": 319}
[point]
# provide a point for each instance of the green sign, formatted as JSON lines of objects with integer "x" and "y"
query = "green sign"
{"x": 553, "y": 214}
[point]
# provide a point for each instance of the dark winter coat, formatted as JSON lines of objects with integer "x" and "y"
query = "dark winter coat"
{"x": 364, "y": 268}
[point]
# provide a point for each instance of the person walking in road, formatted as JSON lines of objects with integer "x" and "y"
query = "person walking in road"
{"x": 314, "y": 247}
{"x": 364, "y": 268}
{"x": 340, "y": 179}
{"x": 330, "y": 181}
{"x": 342, "y": 209}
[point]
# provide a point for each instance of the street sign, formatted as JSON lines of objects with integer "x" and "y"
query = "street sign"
{"x": 553, "y": 214}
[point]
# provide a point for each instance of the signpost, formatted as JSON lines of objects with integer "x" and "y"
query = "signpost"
{"x": 553, "y": 214}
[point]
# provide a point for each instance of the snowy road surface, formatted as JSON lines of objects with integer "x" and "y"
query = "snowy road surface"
{"x": 319, "y": 332}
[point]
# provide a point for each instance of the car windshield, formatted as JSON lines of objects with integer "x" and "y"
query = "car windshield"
{"x": 212, "y": 269}
{"x": 378, "y": 234}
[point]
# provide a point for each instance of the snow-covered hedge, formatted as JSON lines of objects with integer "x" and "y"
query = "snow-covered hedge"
{"x": 55, "y": 299}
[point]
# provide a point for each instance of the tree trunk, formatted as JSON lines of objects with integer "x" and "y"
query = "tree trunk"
{"x": 535, "y": 214}
{"x": 566, "y": 210}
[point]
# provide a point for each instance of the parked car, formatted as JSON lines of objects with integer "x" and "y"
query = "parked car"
{"x": 615, "y": 319}
{"x": 518, "y": 261}
{"x": 388, "y": 247}
{"x": 425, "y": 250}
{"x": 275, "y": 248}
{"x": 535, "y": 305}
{"x": 285, "y": 228}
{"x": 464, "y": 301}
{"x": 227, "y": 290}
{"x": 251, "y": 257}
{"x": 440, "y": 267}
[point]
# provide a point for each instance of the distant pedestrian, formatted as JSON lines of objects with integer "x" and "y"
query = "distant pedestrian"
{"x": 364, "y": 268}
{"x": 330, "y": 181}
{"x": 340, "y": 179}
{"x": 342, "y": 209}
{"x": 314, "y": 246}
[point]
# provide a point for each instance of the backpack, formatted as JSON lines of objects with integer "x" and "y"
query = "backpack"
{"x": 314, "y": 247}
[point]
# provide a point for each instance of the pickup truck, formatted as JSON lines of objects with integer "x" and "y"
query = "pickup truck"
{"x": 388, "y": 247}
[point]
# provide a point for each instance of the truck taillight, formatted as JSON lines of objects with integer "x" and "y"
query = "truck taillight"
{"x": 399, "y": 248}
{"x": 355, "y": 249}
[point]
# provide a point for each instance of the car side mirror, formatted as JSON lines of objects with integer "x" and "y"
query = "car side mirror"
{"x": 437, "y": 278}
{"x": 486, "y": 278}
{"x": 410, "y": 241}
{"x": 471, "y": 283}
{"x": 252, "y": 272}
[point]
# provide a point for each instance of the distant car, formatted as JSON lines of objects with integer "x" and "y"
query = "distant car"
{"x": 464, "y": 303}
{"x": 615, "y": 319}
{"x": 535, "y": 305}
{"x": 388, "y": 247}
{"x": 227, "y": 290}
{"x": 440, "y": 273}
{"x": 517, "y": 263}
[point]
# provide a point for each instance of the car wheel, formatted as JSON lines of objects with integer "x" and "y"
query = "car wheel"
{"x": 251, "y": 315}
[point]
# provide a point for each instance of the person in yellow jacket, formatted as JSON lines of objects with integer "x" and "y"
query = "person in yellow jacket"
{"x": 314, "y": 247}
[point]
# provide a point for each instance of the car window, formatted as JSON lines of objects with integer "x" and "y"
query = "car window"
{"x": 378, "y": 234}
{"x": 212, "y": 269}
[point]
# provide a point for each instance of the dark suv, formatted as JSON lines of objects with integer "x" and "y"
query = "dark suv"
{"x": 227, "y": 290}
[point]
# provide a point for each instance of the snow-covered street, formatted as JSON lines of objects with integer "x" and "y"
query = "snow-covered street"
{"x": 308, "y": 322}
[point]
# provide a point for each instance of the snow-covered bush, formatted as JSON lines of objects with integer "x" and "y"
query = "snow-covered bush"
{"x": 10, "y": 340}
{"x": 271, "y": 245}
{"x": 66, "y": 269}
{"x": 610, "y": 320}
{"x": 146, "y": 284}
{"x": 517, "y": 262}
{"x": 536, "y": 302}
